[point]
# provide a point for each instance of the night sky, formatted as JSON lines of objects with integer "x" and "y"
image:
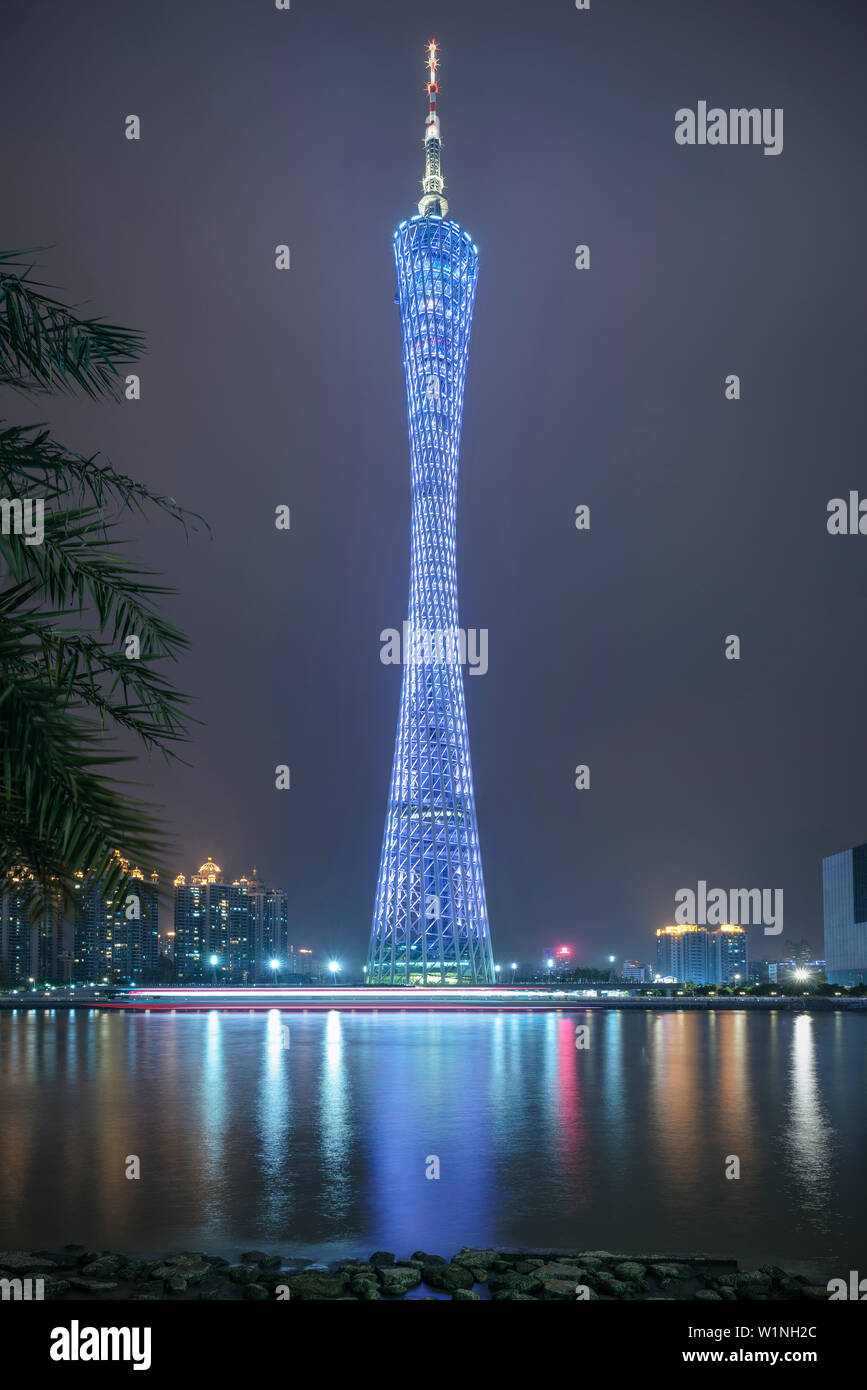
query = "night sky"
{"x": 603, "y": 387}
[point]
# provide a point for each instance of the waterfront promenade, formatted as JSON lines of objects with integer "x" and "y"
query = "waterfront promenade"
{"x": 396, "y": 998}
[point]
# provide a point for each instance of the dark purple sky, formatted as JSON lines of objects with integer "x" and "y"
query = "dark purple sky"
{"x": 605, "y": 387}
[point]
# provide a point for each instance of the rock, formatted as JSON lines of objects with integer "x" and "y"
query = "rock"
{"x": 153, "y": 1288}
{"x": 256, "y": 1292}
{"x": 134, "y": 1271}
{"x": 189, "y": 1267}
{"x": 382, "y": 1257}
{"x": 559, "y": 1271}
{"x": 708, "y": 1296}
{"x": 665, "y": 1271}
{"x": 23, "y": 1262}
{"x": 55, "y": 1288}
{"x": 615, "y": 1287}
{"x": 396, "y": 1281}
{"x": 317, "y": 1284}
{"x": 559, "y": 1288}
{"x": 448, "y": 1277}
{"x": 465, "y": 1296}
{"x": 514, "y": 1283}
{"x": 425, "y": 1259}
{"x": 177, "y": 1284}
{"x": 93, "y": 1285}
{"x": 476, "y": 1259}
{"x": 507, "y": 1296}
{"x": 631, "y": 1272}
{"x": 240, "y": 1274}
{"x": 106, "y": 1267}
{"x": 271, "y": 1262}
{"x": 527, "y": 1266}
{"x": 752, "y": 1284}
{"x": 365, "y": 1287}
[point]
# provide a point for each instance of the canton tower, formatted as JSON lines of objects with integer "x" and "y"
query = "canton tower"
{"x": 430, "y": 922}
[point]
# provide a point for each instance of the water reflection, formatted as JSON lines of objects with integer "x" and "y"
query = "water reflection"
{"x": 808, "y": 1135}
{"x": 326, "y": 1143}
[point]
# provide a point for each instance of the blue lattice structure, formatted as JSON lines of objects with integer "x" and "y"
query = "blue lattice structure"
{"x": 430, "y": 923}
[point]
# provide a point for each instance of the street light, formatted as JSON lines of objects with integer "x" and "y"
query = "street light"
{"x": 275, "y": 966}
{"x": 514, "y": 968}
{"x": 215, "y": 961}
{"x": 334, "y": 967}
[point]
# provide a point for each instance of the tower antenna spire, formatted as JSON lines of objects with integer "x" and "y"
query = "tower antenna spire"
{"x": 433, "y": 182}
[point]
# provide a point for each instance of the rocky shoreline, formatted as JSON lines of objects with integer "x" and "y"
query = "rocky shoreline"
{"x": 76, "y": 1274}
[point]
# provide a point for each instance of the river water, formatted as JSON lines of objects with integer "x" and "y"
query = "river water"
{"x": 319, "y": 1141}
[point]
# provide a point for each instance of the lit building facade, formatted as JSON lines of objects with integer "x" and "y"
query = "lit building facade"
{"x": 30, "y": 947}
{"x": 430, "y": 921}
{"x": 703, "y": 956}
{"x": 116, "y": 943}
{"x": 229, "y": 933}
{"x": 844, "y": 893}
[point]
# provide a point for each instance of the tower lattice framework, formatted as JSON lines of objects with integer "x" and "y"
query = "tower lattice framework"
{"x": 430, "y": 922}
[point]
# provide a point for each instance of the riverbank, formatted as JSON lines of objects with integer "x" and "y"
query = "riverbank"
{"x": 76, "y": 1274}
{"x": 411, "y": 1001}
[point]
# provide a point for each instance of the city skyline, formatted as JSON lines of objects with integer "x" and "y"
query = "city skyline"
{"x": 602, "y": 387}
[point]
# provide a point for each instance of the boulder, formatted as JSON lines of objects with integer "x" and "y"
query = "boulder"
{"x": 559, "y": 1288}
{"x": 476, "y": 1259}
{"x": 447, "y": 1277}
{"x": 559, "y": 1271}
{"x": 382, "y": 1257}
{"x": 93, "y": 1285}
{"x": 257, "y": 1292}
{"x": 316, "y": 1283}
{"x": 465, "y": 1296}
{"x": 667, "y": 1271}
{"x": 23, "y": 1262}
{"x": 514, "y": 1283}
{"x": 395, "y": 1281}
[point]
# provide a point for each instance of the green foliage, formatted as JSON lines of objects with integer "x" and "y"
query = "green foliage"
{"x": 66, "y": 607}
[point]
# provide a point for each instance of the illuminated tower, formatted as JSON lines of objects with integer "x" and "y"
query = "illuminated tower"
{"x": 430, "y": 922}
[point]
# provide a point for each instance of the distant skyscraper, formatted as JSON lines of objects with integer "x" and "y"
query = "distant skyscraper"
{"x": 212, "y": 927}
{"x": 29, "y": 947}
{"x": 844, "y": 890}
{"x": 430, "y": 922}
{"x": 229, "y": 932}
{"x": 269, "y": 932}
{"x": 116, "y": 942}
{"x": 702, "y": 956}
